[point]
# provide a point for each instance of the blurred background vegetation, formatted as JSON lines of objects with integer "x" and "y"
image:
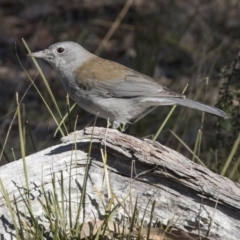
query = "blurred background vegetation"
{"x": 178, "y": 42}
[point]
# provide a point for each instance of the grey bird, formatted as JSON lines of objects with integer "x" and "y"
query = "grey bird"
{"x": 108, "y": 89}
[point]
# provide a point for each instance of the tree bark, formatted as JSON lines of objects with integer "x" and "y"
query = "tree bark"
{"x": 192, "y": 201}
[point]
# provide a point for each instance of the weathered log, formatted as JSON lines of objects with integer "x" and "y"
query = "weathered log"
{"x": 189, "y": 197}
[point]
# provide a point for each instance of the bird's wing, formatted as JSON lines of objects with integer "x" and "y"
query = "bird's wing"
{"x": 110, "y": 79}
{"x": 133, "y": 85}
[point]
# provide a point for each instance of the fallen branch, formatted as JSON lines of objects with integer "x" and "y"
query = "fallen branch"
{"x": 190, "y": 201}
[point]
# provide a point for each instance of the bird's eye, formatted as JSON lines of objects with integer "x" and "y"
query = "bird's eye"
{"x": 60, "y": 50}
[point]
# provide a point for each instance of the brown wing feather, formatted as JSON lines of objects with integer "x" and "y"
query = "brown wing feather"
{"x": 110, "y": 79}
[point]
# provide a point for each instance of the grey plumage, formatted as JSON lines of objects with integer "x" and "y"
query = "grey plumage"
{"x": 108, "y": 89}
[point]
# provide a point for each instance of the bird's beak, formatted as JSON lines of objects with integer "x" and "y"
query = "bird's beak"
{"x": 41, "y": 54}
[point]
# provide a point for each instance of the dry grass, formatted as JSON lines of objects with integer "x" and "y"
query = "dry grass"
{"x": 177, "y": 42}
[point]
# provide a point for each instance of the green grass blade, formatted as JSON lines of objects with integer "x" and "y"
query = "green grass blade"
{"x": 196, "y": 145}
{"x": 22, "y": 147}
{"x": 64, "y": 118}
{"x": 167, "y": 118}
{"x": 235, "y": 169}
{"x": 4, "y": 153}
{"x": 77, "y": 227}
{"x": 31, "y": 136}
{"x": 233, "y": 151}
{"x": 134, "y": 215}
{"x": 151, "y": 218}
{"x": 10, "y": 208}
{"x": 45, "y": 82}
{"x": 69, "y": 113}
{"x": 45, "y": 103}
{"x": 186, "y": 146}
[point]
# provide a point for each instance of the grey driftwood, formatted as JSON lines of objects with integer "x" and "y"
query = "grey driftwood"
{"x": 195, "y": 202}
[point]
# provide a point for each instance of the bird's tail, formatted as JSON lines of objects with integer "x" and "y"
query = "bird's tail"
{"x": 200, "y": 106}
{"x": 184, "y": 102}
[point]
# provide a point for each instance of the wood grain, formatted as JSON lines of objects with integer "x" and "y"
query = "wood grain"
{"x": 188, "y": 196}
